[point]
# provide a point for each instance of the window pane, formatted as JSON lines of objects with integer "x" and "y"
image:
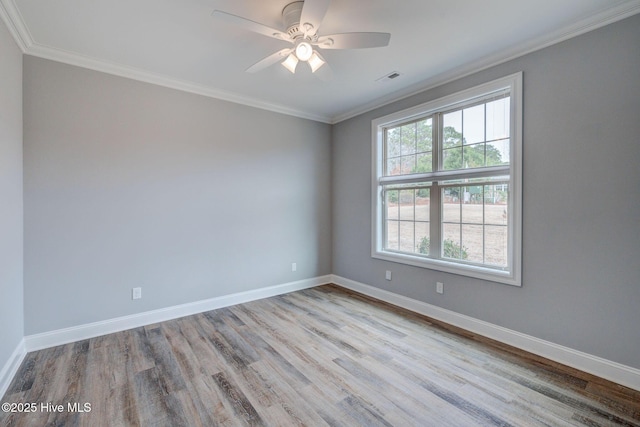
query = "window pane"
{"x": 473, "y": 156}
{"x": 407, "y": 236}
{"x": 423, "y": 204}
{"x": 452, "y": 158}
{"x": 392, "y": 143}
{"x": 451, "y": 241}
{"x": 496, "y": 204}
{"x": 475, "y": 223}
{"x": 473, "y": 124}
{"x": 408, "y": 164}
{"x": 498, "y": 119}
{"x": 408, "y": 139}
{"x": 451, "y": 204}
{"x": 393, "y": 167}
{"x": 498, "y": 152}
{"x": 472, "y": 212}
{"x": 424, "y": 163}
{"x": 407, "y": 219}
{"x": 472, "y": 243}
{"x": 496, "y": 245}
{"x": 425, "y": 135}
{"x": 391, "y": 203}
{"x": 391, "y": 232}
{"x": 407, "y": 205}
{"x": 452, "y": 129}
{"x": 422, "y": 238}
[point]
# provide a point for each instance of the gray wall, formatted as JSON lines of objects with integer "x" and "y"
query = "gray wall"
{"x": 11, "y": 295}
{"x": 129, "y": 184}
{"x": 581, "y": 280}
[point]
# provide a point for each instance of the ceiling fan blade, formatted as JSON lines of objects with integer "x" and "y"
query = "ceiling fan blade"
{"x": 313, "y": 12}
{"x": 247, "y": 24}
{"x": 353, "y": 40}
{"x": 269, "y": 60}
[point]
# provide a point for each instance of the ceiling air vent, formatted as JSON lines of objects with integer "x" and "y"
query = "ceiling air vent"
{"x": 387, "y": 78}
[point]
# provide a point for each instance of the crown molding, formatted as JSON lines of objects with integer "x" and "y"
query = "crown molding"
{"x": 593, "y": 22}
{"x": 120, "y": 70}
{"x": 14, "y": 21}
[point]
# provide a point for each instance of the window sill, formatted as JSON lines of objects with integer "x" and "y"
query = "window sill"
{"x": 476, "y": 272}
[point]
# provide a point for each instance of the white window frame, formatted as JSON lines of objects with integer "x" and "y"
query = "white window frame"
{"x": 513, "y": 274}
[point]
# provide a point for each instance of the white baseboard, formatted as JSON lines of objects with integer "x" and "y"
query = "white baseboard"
{"x": 90, "y": 330}
{"x": 10, "y": 368}
{"x": 603, "y": 368}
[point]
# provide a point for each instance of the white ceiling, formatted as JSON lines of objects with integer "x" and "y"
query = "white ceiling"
{"x": 177, "y": 43}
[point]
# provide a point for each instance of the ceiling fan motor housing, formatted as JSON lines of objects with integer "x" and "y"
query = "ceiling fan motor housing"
{"x": 291, "y": 18}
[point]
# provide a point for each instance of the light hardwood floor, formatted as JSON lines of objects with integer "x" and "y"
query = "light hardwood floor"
{"x": 322, "y": 356}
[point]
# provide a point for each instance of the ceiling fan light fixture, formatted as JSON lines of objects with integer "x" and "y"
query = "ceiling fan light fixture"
{"x": 315, "y": 62}
{"x": 302, "y": 19}
{"x": 290, "y": 63}
{"x": 304, "y": 51}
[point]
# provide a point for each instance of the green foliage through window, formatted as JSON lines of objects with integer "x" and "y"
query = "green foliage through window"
{"x": 451, "y": 249}
{"x": 467, "y": 156}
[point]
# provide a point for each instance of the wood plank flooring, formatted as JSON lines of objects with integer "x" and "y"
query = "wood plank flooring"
{"x": 318, "y": 357}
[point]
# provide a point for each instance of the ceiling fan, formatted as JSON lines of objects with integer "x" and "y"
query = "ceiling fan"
{"x": 301, "y": 21}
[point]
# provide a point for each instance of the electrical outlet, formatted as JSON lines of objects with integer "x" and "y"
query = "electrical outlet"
{"x": 136, "y": 293}
{"x": 294, "y": 266}
{"x": 388, "y": 275}
{"x": 440, "y": 287}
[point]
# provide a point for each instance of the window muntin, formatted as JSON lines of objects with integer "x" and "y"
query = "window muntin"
{"x": 475, "y": 223}
{"x": 408, "y": 148}
{"x": 447, "y": 180}
{"x": 407, "y": 222}
{"x": 476, "y": 136}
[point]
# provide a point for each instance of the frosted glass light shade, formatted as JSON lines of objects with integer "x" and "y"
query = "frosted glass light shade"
{"x": 304, "y": 51}
{"x": 290, "y": 63}
{"x": 315, "y": 62}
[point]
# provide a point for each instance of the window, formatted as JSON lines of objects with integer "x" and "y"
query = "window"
{"x": 447, "y": 183}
